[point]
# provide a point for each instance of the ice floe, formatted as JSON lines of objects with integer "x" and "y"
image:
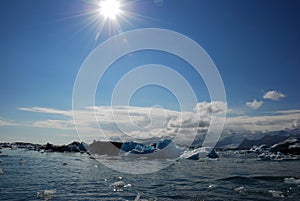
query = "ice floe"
{"x": 276, "y": 194}
{"x": 291, "y": 180}
{"x": 120, "y": 184}
{"x": 241, "y": 190}
{"x": 46, "y": 194}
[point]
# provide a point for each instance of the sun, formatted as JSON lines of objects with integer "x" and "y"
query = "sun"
{"x": 110, "y": 8}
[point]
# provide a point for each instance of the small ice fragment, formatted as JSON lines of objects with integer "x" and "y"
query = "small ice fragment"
{"x": 96, "y": 166}
{"x": 276, "y": 194}
{"x": 240, "y": 190}
{"x": 1, "y": 171}
{"x": 127, "y": 186}
{"x": 211, "y": 186}
{"x": 119, "y": 184}
{"x": 45, "y": 194}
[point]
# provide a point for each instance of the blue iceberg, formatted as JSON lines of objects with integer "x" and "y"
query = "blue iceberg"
{"x": 164, "y": 148}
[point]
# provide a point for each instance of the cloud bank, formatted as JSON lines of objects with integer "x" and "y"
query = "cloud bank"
{"x": 130, "y": 122}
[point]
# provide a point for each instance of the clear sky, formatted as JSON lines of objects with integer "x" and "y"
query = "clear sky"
{"x": 254, "y": 44}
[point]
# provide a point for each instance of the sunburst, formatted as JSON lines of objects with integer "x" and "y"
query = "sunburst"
{"x": 110, "y": 9}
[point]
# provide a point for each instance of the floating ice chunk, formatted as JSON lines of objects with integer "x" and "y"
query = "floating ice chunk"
{"x": 292, "y": 181}
{"x": 241, "y": 190}
{"x": 276, "y": 194}
{"x": 118, "y": 184}
{"x": 1, "y": 171}
{"x": 198, "y": 153}
{"x": 47, "y": 194}
{"x": 211, "y": 186}
{"x": 127, "y": 185}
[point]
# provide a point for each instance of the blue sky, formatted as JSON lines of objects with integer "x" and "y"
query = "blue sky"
{"x": 254, "y": 44}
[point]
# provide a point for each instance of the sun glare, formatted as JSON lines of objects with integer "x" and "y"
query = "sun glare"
{"x": 110, "y": 8}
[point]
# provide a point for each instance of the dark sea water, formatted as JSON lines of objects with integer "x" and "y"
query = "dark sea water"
{"x": 70, "y": 176}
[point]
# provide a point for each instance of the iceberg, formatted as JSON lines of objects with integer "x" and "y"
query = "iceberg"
{"x": 198, "y": 153}
{"x": 137, "y": 148}
{"x": 164, "y": 148}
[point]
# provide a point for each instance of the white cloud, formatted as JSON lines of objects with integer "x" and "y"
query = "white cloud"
{"x": 287, "y": 112}
{"x": 5, "y": 122}
{"x": 273, "y": 95}
{"x": 295, "y": 124}
{"x": 135, "y": 122}
{"x": 56, "y": 124}
{"x": 214, "y": 107}
{"x": 46, "y": 110}
{"x": 261, "y": 123}
{"x": 145, "y": 123}
{"x": 254, "y": 104}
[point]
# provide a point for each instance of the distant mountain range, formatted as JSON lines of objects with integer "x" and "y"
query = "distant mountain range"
{"x": 269, "y": 139}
